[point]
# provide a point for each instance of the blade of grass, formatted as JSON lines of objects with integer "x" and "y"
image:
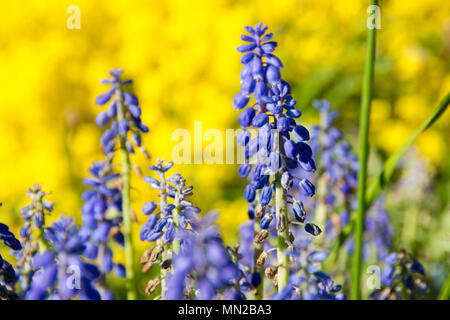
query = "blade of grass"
{"x": 363, "y": 157}
{"x": 126, "y": 206}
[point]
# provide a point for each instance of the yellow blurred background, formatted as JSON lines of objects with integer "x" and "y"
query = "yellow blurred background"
{"x": 182, "y": 58}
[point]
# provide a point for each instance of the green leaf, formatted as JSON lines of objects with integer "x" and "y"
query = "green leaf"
{"x": 391, "y": 163}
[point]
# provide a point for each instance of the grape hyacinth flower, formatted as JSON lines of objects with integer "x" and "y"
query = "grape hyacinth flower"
{"x": 124, "y": 113}
{"x": 60, "y": 272}
{"x": 166, "y": 219}
{"x": 32, "y": 234}
{"x": 102, "y": 220}
{"x": 203, "y": 269}
{"x": 337, "y": 180}
{"x": 7, "y": 272}
{"x": 279, "y": 143}
{"x": 402, "y": 278}
{"x": 336, "y": 174}
{"x": 34, "y": 214}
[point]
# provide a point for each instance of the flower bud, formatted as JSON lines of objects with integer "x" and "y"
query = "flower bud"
{"x": 270, "y": 272}
{"x": 281, "y": 223}
{"x": 155, "y": 253}
{"x": 145, "y": 256}
{"x": 261, "y": 236}
{"x": 312, "y": 229}
{"x": 259, "y": 212}
{"x": 307, "y": 187}
{"x": 152, "y": 285}
{"x": 262, "y": 258}
{"x": 265, "y": 196}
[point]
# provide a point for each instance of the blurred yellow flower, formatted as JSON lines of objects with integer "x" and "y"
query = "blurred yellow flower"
{"x": 432, "y": 146}
{"x": 413, "y": 108}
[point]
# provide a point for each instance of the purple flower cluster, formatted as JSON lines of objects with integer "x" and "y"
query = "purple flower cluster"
{"x": 7, "y": 272}
{"x": 279, "y": 145}
{"x": 34, "y": 213}
{"x": 170, "y": 216}
{"x": 336, "y": 158}
{"x": 124, "y": 113}
{"x": 276, "y": 153}
{"x": 402, "y": 278}
{"x": 32, "y": 233}
{"x": 203, "y": 269}
{"x": 102, "y": 218}
{"x": 60, "y": 271}
{"x": 338, "y": 169}
{"x": 50, "y": 254}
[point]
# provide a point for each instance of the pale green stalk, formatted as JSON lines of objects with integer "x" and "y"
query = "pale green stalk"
{"x": 320, "y": 215}
{"x": 176, "y": 220}
{"x": 258, "y": 249}
{"x": 283, "y": 236}
{"x": 43, "y": 245}
{"x": 126, "y": 204}
{"x": 162, "y": 205}
{"x": 281, "y": 215}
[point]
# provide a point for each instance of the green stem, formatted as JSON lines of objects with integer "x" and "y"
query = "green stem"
{"x": 258, "y": 249}
{"x": 281, "y": 214}
{"x": 445, "y": 291}
{"x": 126, "y": 204}
{"x": 283, "y": 236}
{"x": 176, "y": 220}
{"x": 363, "y": 157}
{"x": 320, "y": 216}
{"x": 43, "y": 244}
{"x": 102, "y": 285}
{"x": 162, "y": 205}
